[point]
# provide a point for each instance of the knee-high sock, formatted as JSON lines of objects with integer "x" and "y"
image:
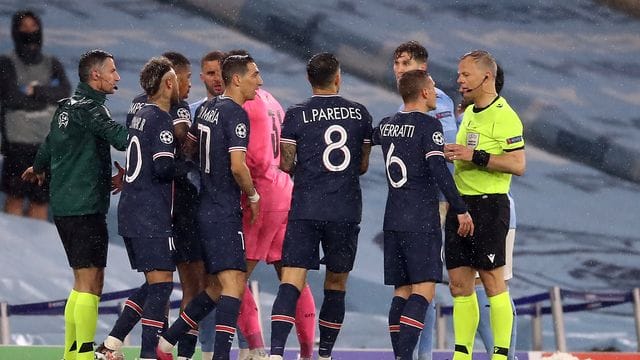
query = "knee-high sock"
{"x": 425, "y": 344}
{"x": 306, "y": 322}
{"x": 283, "y": 317}
{"x": 248, "y": 321}
{"x": 86, "y": 316}
{"x": 131, "y": 314}
{"x": 501, "y": 324}
{"x": 153, "y": 314}
{"x": 465, "y": 323}
{"x": 411, "y": 324}
{"x": 330, "y": 320}
{"x": 207, "y": 332}
{"x": 395, "y": 311}
{"x": 197, "y": 309}
{"x": 226, "y": 319}
{"x": 484, "y": 325}
{"x": 514, "y": 332}
{"x": 70, "y": 344}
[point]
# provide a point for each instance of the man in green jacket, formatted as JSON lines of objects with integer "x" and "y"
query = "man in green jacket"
{"x": 77, "y": 155}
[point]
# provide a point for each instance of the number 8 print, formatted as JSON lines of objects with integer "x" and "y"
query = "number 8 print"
{"x": 338, "y": 145}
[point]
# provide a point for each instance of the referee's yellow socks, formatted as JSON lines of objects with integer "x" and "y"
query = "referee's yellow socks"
{"x": 86, "y": 319}
{"x": 70, "y": 346}
{"x": 466, "y": 316}
{"x": 501, "y": 323}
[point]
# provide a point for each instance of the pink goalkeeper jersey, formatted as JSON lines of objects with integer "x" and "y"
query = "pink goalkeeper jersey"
{"x": 263, "y": 152}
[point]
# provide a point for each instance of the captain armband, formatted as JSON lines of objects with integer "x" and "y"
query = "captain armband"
{"x": 480, "y": 158}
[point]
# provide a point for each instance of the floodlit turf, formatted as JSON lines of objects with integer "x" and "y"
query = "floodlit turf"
{"x": 55, "y": 352}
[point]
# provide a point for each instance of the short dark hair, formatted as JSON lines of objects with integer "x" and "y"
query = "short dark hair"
{"x": 152, "y": 73}
{"x": 238, "y": 52}
{"x": 321, "y": 69}
{"x": 499, "y": 78}
{"x": 17, "y": 18}
{"x": 415, "y": 50}
{"x": 90, "y": 60}
{"x": 234, "y": 64}
{"x": 411, "y": 84}
{"x": 212, "y": 56}
{"x": 177, "y": 60}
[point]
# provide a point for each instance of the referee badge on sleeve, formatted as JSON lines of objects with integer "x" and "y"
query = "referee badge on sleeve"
{"x": 472, "y": 140}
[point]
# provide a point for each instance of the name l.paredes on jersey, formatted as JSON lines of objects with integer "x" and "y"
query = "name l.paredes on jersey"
{"x": 396, "y": 130}
{"x": 333, "y": 113}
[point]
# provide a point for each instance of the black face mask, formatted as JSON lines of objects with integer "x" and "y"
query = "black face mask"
{"x": 28, "y": 46}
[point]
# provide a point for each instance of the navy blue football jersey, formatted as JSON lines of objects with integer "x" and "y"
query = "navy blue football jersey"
{"x": 328, "y": 132}
{"x": 220, "y": 127}
{"x": 412, "y": 146}
{"x": 180, "y": 112}
{"x": 145, "y": 203}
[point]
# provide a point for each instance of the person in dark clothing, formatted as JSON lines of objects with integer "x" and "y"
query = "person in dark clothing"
{"x": 32, "y": 83}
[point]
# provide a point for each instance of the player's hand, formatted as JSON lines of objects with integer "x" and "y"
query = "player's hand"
{"x": 255, "y": 210}
{"x": 457, "y": 152}
{"x": 31, "y": 176}
{"x": 117, "y": 180}
{"x": 465, "y": 227}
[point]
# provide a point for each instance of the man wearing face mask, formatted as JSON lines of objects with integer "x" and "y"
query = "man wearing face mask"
{"x": 34, "y": 82}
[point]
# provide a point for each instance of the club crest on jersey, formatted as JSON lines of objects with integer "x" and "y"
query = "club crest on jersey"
{"x": 166, "y": 137}
{"x": 63, "y": 120}
{"x": 184, "y": 113}
{"x": 438, "y": 138}
{"x": 241, "y": 131}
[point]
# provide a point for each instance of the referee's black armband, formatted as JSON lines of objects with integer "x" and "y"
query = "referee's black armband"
{"x": 480, "y": 158}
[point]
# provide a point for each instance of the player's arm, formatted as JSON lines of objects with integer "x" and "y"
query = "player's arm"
{"x": 287, "y": 157}
{"x": 511, "y": 161}
{"x": 180, "y": 131}
{"x": 368, "y": 139}
{"x": 242, "y": 176}
{"x": 36, "y": 173}
{"x": 97, "y": 120}
{"x": 364, "y": 162}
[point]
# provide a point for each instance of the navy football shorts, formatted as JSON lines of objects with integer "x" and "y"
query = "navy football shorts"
{"x": 485, "y": 250}
{"x": 150, "y": 253}
{"x": 412, "y": 257}
{"x": 339, "y": 242}
{"x": 223, "y": 246}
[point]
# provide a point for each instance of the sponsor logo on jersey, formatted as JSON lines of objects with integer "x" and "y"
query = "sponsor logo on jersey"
{"x": 515, "y": 139}
{"x": 438, "y": 138}
{"x": 241, "y": 131}
{"x": 443, "y": 114}
{"x": 166, "y": 137}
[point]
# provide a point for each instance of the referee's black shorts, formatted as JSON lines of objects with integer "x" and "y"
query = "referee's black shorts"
{"x": 85, "y": 239}
{"x": 485, "y": 250}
